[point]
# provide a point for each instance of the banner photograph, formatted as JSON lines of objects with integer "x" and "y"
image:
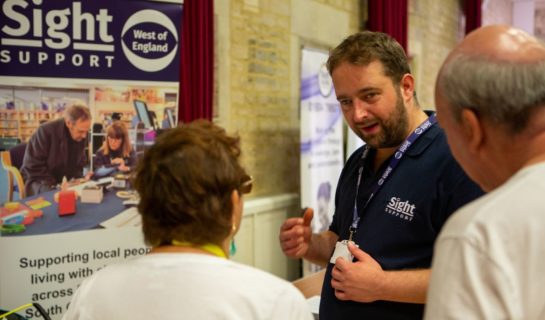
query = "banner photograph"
{"x": 120, "y": 61}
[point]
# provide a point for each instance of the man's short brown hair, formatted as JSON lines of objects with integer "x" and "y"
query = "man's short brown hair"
{"x": 365, "y": 47}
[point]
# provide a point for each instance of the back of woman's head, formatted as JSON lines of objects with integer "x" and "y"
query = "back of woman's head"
{"x": 185, "y": 181}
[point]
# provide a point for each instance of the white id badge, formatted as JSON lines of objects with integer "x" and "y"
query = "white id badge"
{"x": 341, "y": 250}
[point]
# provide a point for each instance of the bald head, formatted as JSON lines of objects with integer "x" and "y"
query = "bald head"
{"x": 497, "y": 71}
{"x": 502, "y": 43}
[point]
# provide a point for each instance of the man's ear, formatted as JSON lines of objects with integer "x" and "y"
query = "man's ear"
{"x": 473, "y": 130}
{"x": 407, "y": 86}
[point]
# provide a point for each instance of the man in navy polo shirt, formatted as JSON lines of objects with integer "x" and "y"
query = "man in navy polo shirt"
{"x": 393, "y": 196}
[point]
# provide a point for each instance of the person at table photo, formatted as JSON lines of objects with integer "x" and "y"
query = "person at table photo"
{"x": 116, "y": 149}
{"x": 191, "y": 187}
{"x": 57, "y": 150}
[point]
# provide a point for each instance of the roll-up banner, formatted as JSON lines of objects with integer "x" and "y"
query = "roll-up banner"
{"x": 104, "y": 54}
{"x": 321, "y": 140}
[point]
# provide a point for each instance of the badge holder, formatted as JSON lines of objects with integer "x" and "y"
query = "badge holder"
{"x": 341, "y": 250}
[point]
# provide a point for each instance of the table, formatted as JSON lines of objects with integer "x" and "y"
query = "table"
{"x": 87, "y": 216}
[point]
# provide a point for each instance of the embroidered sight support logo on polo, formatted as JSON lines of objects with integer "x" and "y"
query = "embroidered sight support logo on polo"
{"x": 400, "y": 208}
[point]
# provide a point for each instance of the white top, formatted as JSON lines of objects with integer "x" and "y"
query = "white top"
{"x": 185, "y": 286}
{"x": 489, "y": 260}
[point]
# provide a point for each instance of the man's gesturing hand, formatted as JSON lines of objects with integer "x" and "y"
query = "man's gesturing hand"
{"x": 295, "y": 235}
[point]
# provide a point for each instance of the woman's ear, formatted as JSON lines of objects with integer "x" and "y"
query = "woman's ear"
{"x": 473, "y": 131}
{"x": 236, "y": 203}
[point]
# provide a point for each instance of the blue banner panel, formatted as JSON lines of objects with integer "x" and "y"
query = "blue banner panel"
{"x": 91, "y": 39}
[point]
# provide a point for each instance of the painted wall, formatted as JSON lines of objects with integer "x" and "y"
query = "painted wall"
{"x": 497, "y": 12}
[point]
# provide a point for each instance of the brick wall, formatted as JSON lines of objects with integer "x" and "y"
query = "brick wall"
{"x": 257, "y": 99}
{"x": 260, "y": 92}
{"x": 435, "y": 27}
{"x": 258, "y": 44}
{"x": 433, "y": 32}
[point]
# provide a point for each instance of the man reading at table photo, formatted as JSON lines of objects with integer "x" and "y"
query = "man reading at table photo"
{"x": 57, "y": 150}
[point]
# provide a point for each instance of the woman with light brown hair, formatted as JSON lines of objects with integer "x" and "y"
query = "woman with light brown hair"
{"x": 116, "y": 149}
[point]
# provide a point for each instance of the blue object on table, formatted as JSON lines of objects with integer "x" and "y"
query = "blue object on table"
{"x": 104, "y": 172}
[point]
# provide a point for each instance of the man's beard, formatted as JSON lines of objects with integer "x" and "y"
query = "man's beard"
{"x": 393, "y": 130}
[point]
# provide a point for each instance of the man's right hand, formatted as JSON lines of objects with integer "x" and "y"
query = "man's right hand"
{"x": 295, "y": 235}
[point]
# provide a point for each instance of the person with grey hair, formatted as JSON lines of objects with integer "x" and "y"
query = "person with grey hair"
{"x": 57, "y": 150}
{"x": 490, "y": 98}
{"x": 393, "y": 196}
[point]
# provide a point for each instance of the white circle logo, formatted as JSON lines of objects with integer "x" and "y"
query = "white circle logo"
{"x": 325, "y": 84}
{"x": 418, "y": 130}
{"x": 145, "y": 41}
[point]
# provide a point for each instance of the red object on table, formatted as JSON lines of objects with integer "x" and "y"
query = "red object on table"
{"x": 67, "y": 202}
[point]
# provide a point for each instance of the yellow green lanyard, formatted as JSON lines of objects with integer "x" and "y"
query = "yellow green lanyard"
{"x": 208, "y": 247}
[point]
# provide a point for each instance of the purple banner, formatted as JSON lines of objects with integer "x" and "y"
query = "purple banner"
{"x": 91, "y": 39}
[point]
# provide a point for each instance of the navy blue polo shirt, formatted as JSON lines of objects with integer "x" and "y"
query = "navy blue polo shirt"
{"x": 401, "y": 223}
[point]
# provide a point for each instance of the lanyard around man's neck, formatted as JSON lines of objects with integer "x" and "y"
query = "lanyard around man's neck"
{"x": 394, "y": 161}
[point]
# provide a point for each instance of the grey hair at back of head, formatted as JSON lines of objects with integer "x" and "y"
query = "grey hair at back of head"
{"x": 505, "y": 93}
{"x": 77, "y": 112}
